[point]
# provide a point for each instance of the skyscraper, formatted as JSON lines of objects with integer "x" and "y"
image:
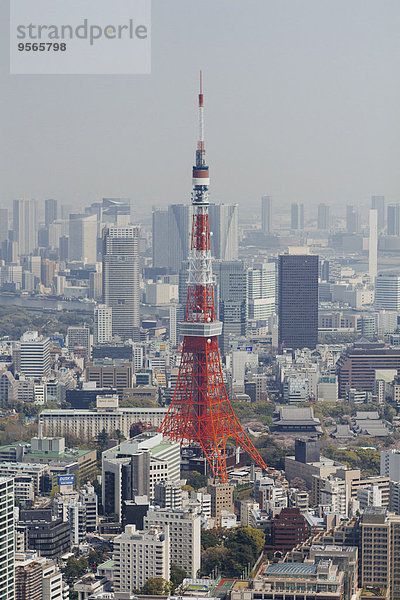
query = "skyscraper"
{"x": 297, "y": 216}
{"x": 139, "y": 556}
{"x": 224, "y": 227}
{"x": 160, "y": 237}
{"x": 121, "y": 283}
{"x": 298, "y": 301}
{"x": 51, "y": 212}
{"x": 25, "y": 225}
{"x": 35, "y": 355}
{"x": 83, "y": 237}
{"x": 261, "y": 291}
{"x": 231, "y": 279}
{"x": 3, "y": 224}
{"x": 373, "y": 245}
{"x": 266, "y": 214}
{"x": 294, "y": 216}
{"x": 79, "y": 340}
{"x": 323, "y": 216}
{"x": 116, "y": 211}
{"x": 7, "y": 538}
{"x": 378, "y": 202}
{"x": 179, "y": 223}
{"x": 352, "y": 219}
{"x": 393, "y": 219}
{"x": 387, "y": 291}
{"x": 184, "y": 538}
{"x": 102, "y": 331}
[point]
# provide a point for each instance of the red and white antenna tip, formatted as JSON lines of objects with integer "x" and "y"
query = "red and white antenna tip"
{"x": 201, "y": 90}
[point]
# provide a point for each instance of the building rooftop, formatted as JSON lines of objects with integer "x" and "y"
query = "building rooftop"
{"x": 292, "y": 569}
{"x": 108, "y": 564}
{"x": 69, "y": 454}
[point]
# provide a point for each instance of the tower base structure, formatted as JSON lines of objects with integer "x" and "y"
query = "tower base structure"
{"x": 200, "y": 412}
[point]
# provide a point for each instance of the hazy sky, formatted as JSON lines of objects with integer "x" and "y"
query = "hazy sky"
{"x": 302, "y": 103}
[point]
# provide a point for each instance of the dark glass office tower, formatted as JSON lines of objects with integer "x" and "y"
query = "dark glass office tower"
{"x": 393, "y": 219}
{"x": 298, "y": 301}
{"x": 297, "y": 216}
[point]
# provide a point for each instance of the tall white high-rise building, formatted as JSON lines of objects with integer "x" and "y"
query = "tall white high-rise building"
{"x": 232, "y": 281}
{"x": 224, "y": 229}
{"x": 179, "y": 223}
{"x": 184, "y": 536}
{"x": 387, "y": 291}
{"x": 139, "y": 556}
{"x": 102, "y": 324}
{"x": 261, "y": 291}
{"x": 76, "y": 514}
{"x": 35, "y": 355}
{"x": 83, "y": 237}
{"x": 56, "y": 230}
{"x": 7, "y": 538}
{"x": 121, "y": 279}
{"x": 373, "y": 245}
{"x": 88, "y": 497}
{"x": 266, "y": 214}
{"x": 173, "y": 324}
{"x": 137, "y": 357}
{"x": 25, "y": 225}
{"x": 390, "y": 464}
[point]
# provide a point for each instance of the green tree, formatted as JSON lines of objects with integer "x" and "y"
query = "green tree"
{"x": 248, "y": 537}
{"x": 95, "y": 558}
{"x": 102, "y": 440}
{"x": 196, "y": 480}
{"x": 177, "y": 575}
{"x": 75, "y": 568}
{"x": 271, "y": 452}
{"x": 214, "y": 558}
{"x": 389, "y": 412}
{"x": 209, "y": 538}
{"x": 156, "y": 586}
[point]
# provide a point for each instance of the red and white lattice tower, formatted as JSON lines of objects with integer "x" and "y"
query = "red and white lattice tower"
{"x": 200, "y": 412}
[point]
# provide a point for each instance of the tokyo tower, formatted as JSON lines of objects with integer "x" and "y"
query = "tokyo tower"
{"x": 200, "y": 413}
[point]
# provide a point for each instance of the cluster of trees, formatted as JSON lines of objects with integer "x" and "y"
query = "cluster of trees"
{"x": 13, "y": 430}
{"x": 365, "y": 459}
{"x": 139, "y": 403}
{"x": 338, "y": 411}
{"x": 271, "y": 452}
{"x": 256, "y": 411}
{"x": 78, "y": 566}
{"x": 334, "y": 410}
{"x": 14, "y": 321}
{"x": 75, "y": 568}
{"x": 195, "y": 481}
{"x": 157, "y": 586}
{"x": 229, "y": 552}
